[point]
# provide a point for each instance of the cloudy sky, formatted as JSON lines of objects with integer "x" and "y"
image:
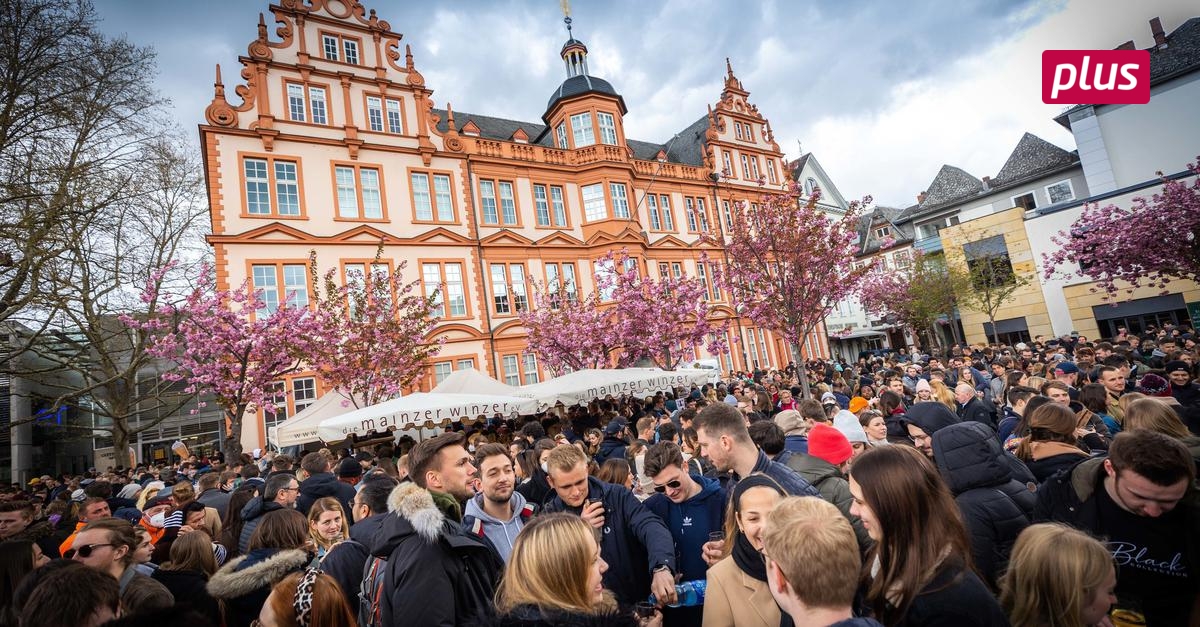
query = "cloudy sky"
{"x": 883, "y": 93}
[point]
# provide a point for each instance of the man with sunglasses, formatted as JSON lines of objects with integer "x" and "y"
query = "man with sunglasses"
{"x": 692, "y": 506}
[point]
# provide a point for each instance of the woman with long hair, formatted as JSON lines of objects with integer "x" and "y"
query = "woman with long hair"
{"x": 1153, "y": 414}
{"x": 891, "y": 405}
{"x": 17, "y": 559}
{"x": 1058, "y": 576}
{"x": 616, "y": 471}
{"x": 738, "y": 594}
{"x": 279, "y": 546}
{"x": 187, "y": 573}
{"x": 306, "y": 599}
{"x": 327, "y": 524}
{"x": 231, "y": 527}
{"x": 920, "y": 566}
{"x": 554, "y": 577}
{"x": 1094, "y": 398}
{"x": 1051, "y": 445}
{"x": 943, "y": 394}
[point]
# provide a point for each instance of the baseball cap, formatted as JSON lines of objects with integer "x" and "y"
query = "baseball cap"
{"x": 1067, "y": 367}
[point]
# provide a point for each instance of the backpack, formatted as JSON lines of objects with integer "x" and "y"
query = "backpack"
{"x": 370, "y": 591}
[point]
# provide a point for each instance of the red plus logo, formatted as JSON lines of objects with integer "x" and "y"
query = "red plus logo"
{"x": 1096, "y": 76}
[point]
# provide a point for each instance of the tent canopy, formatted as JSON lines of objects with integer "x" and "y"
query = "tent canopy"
{"x": 423, "y": 409}
{"x": 302, "y": 428}
{"x": 582, "y": 386}
{"x": 472, "y": 381}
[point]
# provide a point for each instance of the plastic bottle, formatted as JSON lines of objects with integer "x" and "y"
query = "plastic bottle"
{"x": 690, "y": 593}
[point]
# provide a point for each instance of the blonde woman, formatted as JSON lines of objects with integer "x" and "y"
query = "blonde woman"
{"x": 327, "y": 524}
{"x": 150, "y": 490}
{"x": 1058, "y": 576}
{"x": 1153, "y": 414}
{"x": 943, "y": 395}
{"x": 555, "y": 577}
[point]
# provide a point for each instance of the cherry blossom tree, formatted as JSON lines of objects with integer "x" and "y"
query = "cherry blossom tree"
{"x": 789, "y": 263}
{"x": 664, "y": 320}
{"x": 230, "y": 344}
{"x": 1150, "y": 243}
{"x": 917, "y": 297}
{"x": 568, "y": 331}
{"x": 379, "y": 325}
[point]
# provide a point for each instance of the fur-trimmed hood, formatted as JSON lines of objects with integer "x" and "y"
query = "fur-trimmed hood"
{"x": 411, "y": 512}
{"x": 261, "y": 567}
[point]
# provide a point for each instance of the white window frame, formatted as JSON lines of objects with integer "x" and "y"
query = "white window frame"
{"x": 608, "y": 128}
{"x": 1070, "y": 187}
{"x": 668, "y": 216}
{"x": 582, "y": 132}
{"x": 620, "y": 200}
{"x": 561, "y": 133}
{"x": 593, "y": 194}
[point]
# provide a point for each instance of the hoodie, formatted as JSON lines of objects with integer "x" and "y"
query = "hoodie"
{"x": 502, "y": 533}
{"x": 690, "y": 522}
{"x": 930, "y": 416}
{"x": 322, "y": 485}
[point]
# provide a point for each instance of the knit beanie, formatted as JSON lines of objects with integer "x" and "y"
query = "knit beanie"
{"x": 858, "y": 404}
{"x": 1154, "y": 385}
{"x": 923, "y": 386}
{"x": 850, "y": 427}
{"x": 349, "y": 467}
{"x": 828, "y": 444}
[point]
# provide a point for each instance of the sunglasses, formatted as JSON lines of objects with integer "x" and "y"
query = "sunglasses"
{"x": 83, "y": 551}
{"x": 674, "y": 485}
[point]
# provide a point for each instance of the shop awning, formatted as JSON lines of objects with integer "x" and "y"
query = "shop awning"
{"x": 423, "y": 409}
{"x": 302, "y": 428}
{"x": 582, "y": 386}
{"x": 856, "y": 334}
{"x": 472, "y": 381}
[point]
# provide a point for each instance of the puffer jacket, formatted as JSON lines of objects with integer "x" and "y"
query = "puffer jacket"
{"x": 252, "y": 514}
{"x": 243, "y": 585}
{"x": 437, "y": 575}
{"x": 995, "y": 507}
{"x": 832, "y": 485}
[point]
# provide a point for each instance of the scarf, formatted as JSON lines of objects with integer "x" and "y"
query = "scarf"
{"x": 749, "y": 560}
{"x": 1041, "y": 450}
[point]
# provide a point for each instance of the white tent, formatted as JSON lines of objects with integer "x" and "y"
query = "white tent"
{"x": 423, "y": 409}
{"x": 472, "y": 381}
{"x": 582, "y": 386}
{"x": 302, "y": 428}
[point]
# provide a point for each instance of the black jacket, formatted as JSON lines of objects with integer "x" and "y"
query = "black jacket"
{"x": 189, "y": 588}
{"x": 537, "y": 490}
{"x": 635, "y": 541}
{"x": 252, "y": 514}
{"x": 975, "y": 410}
{"x": 531, "y": 616}
{"x": 1046, "y": 467}
{"x": 929, "y": 416}
{"x": 322, "y": 485}
{"x": 436, "y": 575}
{"x": 345, "y": 561}
{"x": 611, "y": 447}
{"x": 1070, "y": 498}
{"x": 995, "y": 507}
{"x": 955, "y": 597}
{"x": 244, "y": 584}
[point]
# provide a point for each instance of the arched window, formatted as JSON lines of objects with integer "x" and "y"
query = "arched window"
{"x": 810, "y": 185}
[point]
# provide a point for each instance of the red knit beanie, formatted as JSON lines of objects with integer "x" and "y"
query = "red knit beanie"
{"x": 828, "y": 444}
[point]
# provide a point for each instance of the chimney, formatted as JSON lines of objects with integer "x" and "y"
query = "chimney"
{"x": 1160, "y": 38}
{"x": 1126, "y": 46}
{"x": 987, "y": 182}
{"x": 921, "y": 198}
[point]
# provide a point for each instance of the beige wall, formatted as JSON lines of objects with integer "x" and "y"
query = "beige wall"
{"x": 1027, "y": 301}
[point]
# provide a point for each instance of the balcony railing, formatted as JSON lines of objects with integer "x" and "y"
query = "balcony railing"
{"x": 929, "y": 245}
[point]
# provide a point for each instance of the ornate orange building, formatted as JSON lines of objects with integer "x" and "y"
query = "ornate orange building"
{"x": 336, "y": 145}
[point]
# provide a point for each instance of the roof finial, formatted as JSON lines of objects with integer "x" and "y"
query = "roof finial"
{"x": 262, "y": 27}
{"x": 449, "y": 115}
{"x": 408, "y": 60}
{"x": 728, "y": 68}
{"x": 218, "y": 84}
{"x": 566, "y": 9}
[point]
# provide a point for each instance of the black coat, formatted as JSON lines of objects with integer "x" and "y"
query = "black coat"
{"x": 975, "y": 410}
{"x": 345, "y": 561}
{"x": 537, "y": 490}
{"x": 217, "y": 499}
{"x": 531, "y": 616}
{"x": 1046, "y": 467}
{"x": 955, "y": 597}
{"x": 995, "y": 507}
{"x": 189, "y": 588}
{"x": 634, "y": 542}
{"x": 252, "y": 514}
{"x": 436, "y": 575}
{"x": 322, "y": 485}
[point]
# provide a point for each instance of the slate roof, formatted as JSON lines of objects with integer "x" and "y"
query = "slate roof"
{"x": 687, "y": 148}
{"x": 1031, "y": 156}
{"x": 950, "y": 184}
{"x": 902, "y": 233}
{"x": 798, "y": 165}
{"x": 1180, "y": 57}
{"x": 583, "y": 84}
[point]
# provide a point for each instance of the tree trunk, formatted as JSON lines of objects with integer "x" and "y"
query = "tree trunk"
{"x": 232, "y": 447}
{"x": 801, "y": 370}
{"x": 954, "y": 329}
{"x": 995, "y": 332}
{"x": 120, "y": 438}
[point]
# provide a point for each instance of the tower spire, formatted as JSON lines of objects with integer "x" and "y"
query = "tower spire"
{"x": 574, "y": 53}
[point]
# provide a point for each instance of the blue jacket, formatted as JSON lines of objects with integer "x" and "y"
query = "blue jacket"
{"x": 610, "y": 448}
{"x": 690, "y": 522}
{"x": 796, "y": 444}
{"x": 635, "y": 541}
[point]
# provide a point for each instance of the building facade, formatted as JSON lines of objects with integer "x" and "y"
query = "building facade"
{"x": 334, "y": 145}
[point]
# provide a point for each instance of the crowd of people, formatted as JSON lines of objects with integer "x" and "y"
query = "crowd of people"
{"x": 1050, "y": 483}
